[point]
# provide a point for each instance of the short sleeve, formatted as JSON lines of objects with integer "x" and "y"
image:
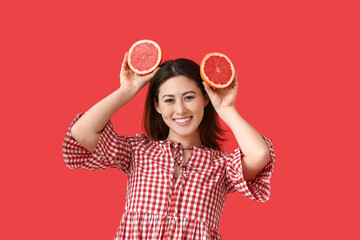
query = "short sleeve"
{"x": 112, "y": 150}
{"x": 259, "y": 188}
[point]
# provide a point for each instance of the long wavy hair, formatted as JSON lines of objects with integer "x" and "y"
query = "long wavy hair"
{"x": 211, "y": 133}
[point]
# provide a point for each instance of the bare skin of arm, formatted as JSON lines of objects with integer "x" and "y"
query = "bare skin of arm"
{"x": 255, "y": 149}
{"x": 88, "y": 128}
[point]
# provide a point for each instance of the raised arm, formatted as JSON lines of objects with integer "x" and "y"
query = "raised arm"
{"x": 255, "y": 150}
{"x": 88, "y": 128}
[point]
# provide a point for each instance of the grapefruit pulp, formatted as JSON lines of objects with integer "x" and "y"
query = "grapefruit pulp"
{"x": 217, "y": 70}
{"x": 144, "y": 56}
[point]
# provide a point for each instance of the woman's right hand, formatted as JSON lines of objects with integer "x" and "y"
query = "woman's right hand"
{"x": 131, "y": 81}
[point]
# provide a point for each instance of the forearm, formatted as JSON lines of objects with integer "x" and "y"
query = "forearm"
{"x": 250, "y": 141}
{"x": 95, "y": 119}
{"x": 252, "y": 144}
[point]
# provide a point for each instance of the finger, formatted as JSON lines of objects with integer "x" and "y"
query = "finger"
{"x": 154, "y": 72}
{"x": 235, "y": 82}
{"x": 208, "y": 89}
{"x": 149, "y": 76}
{"x": 124, "y": 65}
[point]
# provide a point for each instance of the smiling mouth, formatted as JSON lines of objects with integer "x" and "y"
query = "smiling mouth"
{"x": 182, "y": 121}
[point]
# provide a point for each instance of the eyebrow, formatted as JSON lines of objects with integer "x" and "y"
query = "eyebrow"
{"x": 170, "y": 95}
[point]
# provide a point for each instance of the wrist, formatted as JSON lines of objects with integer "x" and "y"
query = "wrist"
{"x": 227, "y": 113}
{"x": 126, "y": 92}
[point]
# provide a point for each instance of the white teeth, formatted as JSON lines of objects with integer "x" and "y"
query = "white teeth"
{"x": 182, "y": 120}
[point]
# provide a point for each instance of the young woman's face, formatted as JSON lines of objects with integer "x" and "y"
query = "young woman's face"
{"x": 181, "y": 104}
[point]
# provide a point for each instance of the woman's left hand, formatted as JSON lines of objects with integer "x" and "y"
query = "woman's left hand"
{"x": 222, "y": 97}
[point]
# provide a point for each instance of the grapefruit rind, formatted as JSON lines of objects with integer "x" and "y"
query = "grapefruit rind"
{"x": 147, "y": 71}
{"x": 207, "y": 80}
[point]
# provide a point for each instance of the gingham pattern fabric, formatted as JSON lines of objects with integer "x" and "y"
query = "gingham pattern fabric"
{"x": 157, "y": 205}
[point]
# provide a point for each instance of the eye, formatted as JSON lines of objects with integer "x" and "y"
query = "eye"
{"x": 188, "y": 97}
{"x": 169, "y": 100}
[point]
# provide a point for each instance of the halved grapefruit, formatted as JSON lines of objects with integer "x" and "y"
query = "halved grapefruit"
{"x": 217, "y": 70}
{"x": 144, "y": 56}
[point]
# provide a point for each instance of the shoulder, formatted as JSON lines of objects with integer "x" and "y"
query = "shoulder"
{"x": 139, "y": 138}
{"x": 224, "y": 156}
{"x": 216, "y": 153}
{"x": 142, "y": 140}
{"x": 216, "y": 156}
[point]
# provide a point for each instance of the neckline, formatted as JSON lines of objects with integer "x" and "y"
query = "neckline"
{"x": 187, "y": 148}
{"x": 180, "y": 145}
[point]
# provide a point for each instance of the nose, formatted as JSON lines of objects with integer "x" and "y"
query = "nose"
{"x": 180, "y": 108}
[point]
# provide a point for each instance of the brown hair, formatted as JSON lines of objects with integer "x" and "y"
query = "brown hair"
{"x": 210, "y": 130}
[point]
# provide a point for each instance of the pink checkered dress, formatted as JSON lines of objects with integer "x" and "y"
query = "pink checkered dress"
{"x": 157, "y": 205}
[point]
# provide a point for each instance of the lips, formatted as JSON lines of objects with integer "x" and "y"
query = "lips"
{"x": 182, "y": 121}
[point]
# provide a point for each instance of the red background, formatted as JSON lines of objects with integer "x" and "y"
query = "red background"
{"x": 298, "y": 69}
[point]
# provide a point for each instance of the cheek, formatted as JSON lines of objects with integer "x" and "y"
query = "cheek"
{"x": 167, "y": 119}
{"x": 165, "y": 112}
{"x": 199, "y": 108}
{"x": 202, "y": 113}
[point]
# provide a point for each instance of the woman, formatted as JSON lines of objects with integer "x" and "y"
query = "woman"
{"x": 178, "y": 177}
